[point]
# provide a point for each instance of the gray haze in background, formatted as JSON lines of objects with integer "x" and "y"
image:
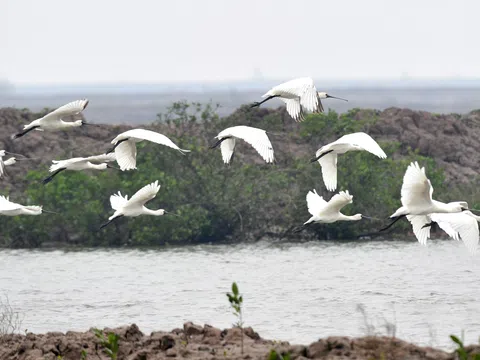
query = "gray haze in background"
{"x": 58, "y": 41}
{"x": 132, "y": 60}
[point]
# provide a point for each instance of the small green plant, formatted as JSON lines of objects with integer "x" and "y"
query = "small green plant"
{"x": 274, "y": 355}
{"x": 109, "y": 343}
{"x": 236, "y": 301}
{"x": 461, "y": 352}
{"x": 83, "y": 355}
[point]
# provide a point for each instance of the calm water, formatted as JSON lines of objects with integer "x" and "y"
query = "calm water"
{"x": 294, "y": 292}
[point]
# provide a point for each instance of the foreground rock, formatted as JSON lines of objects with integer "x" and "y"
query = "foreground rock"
{"x": 207, "y": 342}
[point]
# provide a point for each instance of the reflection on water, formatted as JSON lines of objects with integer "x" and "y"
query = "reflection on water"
{"x": 294, "y": 292}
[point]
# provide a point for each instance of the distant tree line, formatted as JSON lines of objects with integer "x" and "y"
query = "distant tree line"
{"x": 241, "y": 202}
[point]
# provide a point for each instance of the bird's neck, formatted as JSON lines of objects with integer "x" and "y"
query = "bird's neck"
{"x": 355, "y": 217}
{"x": 158, "y": 212}
{"x": 76, "y": 123}
{"x": 97, "y": 166}
{"x": 444, "y": 208}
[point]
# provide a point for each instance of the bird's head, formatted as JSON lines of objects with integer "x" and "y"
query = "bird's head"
{"x": 10, "y": 161}
{"x": 324, "y": 95}
{"x": 458, "y": 206}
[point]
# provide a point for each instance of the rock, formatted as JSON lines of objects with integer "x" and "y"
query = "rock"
{"x": 160, "y": 345}
{"x": 191, "y": 329}
{"x": 167, "y": 342}
{"x": 250, "y": 333}
{"x": 211, "y": 335}
{"x": 317, "y": 349}
{"x": 171, "y": 353}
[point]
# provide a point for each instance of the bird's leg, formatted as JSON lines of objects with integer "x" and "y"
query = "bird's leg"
{"x": 428, "y": 224}
{"x": 320, "y": 156}
{"x": 15, "y": 136}
{"x": 393, "y": 222}
{"x": 217, "y": 144}
{"x": 50, "y": 178}
{"x": 110, "y": 221}
{"x": 255, "y": 104}
{"x": 298, "y": 229}
{"x": 112, "y": 167}
{"x": 114, "y": 147}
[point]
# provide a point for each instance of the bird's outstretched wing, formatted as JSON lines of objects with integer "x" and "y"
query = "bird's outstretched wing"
{"x": 329, "y": 170}
{"x": 422, "y": 233}
{"x": 103, "y": 158}
{"x": 126, "y": 155}
{"x": 6, "y": 204}
{"x": 256, "y": 137}
{"x": 416, "y": 188}
{"x": 145, "y": 194}
{"x": 360, "y": 140}
{"x": 294, "y": 109}
{"x": 71, "y": 108}
{"x": 227, "y": 147}
{"x": 315, "y": 203}
{"x": 338, "y": 201}
{"x": 2, "y": 164}
{"x": 462, "y": 226}
{"x": 143, "y": 134}
{"x": 117, "y": 201}
{"x": 61, "y": 164}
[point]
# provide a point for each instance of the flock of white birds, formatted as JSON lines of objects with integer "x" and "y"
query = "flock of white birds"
{"x": 300, "y": 96}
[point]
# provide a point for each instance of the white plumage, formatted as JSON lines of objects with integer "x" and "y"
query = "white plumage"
{"x": 255, "y": 137}
{"x": 96, "y": 162}
{"x": 10, "y": 161}
{"x": 299, "y": 95}
{"x": 460, "y": 226}
{"x": 417, "y": 202}
{"x": 327, "y": 155}
{"x": 53, "y": 120}
{"x": 416, "y": 195}
{"x": 9, "y": 208}
{"x": 126, "y": 151}
{"x": 2, "y": 163}
{"x": 135, "y": 206}
{"x": 329, "y": 212}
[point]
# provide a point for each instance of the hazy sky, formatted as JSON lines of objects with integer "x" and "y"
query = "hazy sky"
{"x": 62, "y": 41}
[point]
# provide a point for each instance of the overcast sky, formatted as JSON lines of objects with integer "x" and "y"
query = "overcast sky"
{"x": 65, "y": 41}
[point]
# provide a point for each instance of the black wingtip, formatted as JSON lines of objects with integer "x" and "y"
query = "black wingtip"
{"x": 15, "y": 136}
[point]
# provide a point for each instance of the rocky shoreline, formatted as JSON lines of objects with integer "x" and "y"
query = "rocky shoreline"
{"x": 208, "y": 342}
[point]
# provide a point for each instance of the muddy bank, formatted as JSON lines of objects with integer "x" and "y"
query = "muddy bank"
{"x": 207, "y": 342}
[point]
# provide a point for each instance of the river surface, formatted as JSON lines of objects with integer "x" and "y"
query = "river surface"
{"x": 292, "y": 291}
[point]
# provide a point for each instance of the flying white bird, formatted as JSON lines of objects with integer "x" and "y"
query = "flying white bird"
{"x": 459, "y": 226}
{"x": 256, "y": 137}
{"x": 417, "y": 202}
{"x": 126, "y": 150}
{"x": 53, "y": 120}
{"x": 97, "y": 162}
{"x": 327, "y": 155}
{"x": 328, "y": 212}
{"x": 135, "y": 206}
{"x": 298, "y": 95}
{"x": 9, "y": 208}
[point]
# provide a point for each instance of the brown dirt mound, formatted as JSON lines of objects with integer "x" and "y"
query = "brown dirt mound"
{"x": 207, "y": 342}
